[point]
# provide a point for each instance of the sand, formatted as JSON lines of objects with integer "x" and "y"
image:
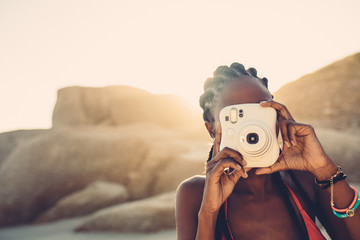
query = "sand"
{"x": 64, "y": 230}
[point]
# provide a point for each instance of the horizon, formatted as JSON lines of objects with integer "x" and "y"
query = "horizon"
{"x": 162, "y": 47}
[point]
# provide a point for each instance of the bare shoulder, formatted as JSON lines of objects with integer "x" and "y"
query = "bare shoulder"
{"x": 197, "y": 181}
{"x": 188, "y": 202}
{"x": 191, "y": 189}
{"x": 189, "y": 195}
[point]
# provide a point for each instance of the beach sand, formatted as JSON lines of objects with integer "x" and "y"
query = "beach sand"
{"x": 62, "y": 230}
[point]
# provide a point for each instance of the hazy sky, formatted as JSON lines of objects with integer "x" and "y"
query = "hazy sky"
{"x": 161, "y": 46}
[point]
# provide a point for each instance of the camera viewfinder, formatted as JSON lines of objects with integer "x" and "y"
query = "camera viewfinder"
{"x": 233, "y": 115}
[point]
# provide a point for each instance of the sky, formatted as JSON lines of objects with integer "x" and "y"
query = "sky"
{"x": 162, "y": 46}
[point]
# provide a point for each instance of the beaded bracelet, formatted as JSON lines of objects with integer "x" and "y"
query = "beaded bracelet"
{"x": 350, "y": 211}
{"x": 352, "y": 204}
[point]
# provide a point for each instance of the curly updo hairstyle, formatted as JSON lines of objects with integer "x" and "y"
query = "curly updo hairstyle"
{"x": 224, "y": 75}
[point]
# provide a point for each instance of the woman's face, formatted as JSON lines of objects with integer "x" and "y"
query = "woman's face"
{"x": 247, "y": 90}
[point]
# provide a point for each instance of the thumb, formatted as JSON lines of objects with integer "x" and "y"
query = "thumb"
{"x": 277, "y": 166}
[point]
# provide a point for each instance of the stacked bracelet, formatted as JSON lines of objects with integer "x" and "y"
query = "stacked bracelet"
{"x": 349, "y": 211}
{"x": 338, "y": 176}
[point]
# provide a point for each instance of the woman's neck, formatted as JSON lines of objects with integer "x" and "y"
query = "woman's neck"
{"x": 257, "y": 186}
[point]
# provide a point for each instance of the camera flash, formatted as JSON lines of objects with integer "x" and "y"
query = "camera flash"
{"x": 233, "y": 115}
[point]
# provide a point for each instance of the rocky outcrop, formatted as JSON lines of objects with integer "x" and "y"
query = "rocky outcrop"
{"x": 119, "y": 134}
{"x": 148, "y": 144}
{"x": 119, "y": 105}
{"x": 328, "y": 97}
{"x": 96, "y": 195}
{"x": 148, "y": 215}
{"x": 61, "y": 161}
{"x": 9, "y": 141}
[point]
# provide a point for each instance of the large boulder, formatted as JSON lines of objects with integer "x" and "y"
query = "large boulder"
{"x": 147, "y": 143}
{"x": 327, "y": 97}
{"x": 61, "y": 161}
{"x": 147, "y": 215}
{"x": 119, "y": 105}
{"x": 11, "y": 140}
{"x": 97, "y": 195}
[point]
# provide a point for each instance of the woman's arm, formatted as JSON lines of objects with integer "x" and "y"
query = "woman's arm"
{"x": 338, "y": 228}
{"x": 196, "y": 215}
{"x": 191, "y": 221}
{"x": 303, "y": 151}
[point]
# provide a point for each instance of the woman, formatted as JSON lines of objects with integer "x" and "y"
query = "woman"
{"x": 276, "y": 202}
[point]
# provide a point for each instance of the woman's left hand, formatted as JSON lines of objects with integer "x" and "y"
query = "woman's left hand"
{"x": 302, "y": 149}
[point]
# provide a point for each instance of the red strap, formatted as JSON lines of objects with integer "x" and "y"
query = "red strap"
{"x": 227, "y": 222}
{"x": 312, "y": 229}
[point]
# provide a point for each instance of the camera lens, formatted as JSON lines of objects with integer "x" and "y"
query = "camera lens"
{"x": 252, "y": 138}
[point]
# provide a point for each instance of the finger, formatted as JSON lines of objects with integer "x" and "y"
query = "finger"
{"x": 303, "y": 129}
{"x": 277, "y": 166}
{"x": 244, "y": 173}
{"x": 292, "y": 133}
{"x": 235, "y": 176}
{"x": 210, "y": 166}
{"x": 284, "y": 133}
{"x": 220, "y": 167}
{"x": 229, "y": 153}
{"x": 217, "y": 140}
{"x": 231, "y": 171}
{"x": 280, "y": 109}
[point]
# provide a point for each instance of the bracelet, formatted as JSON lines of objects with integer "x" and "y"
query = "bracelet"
{"x": 352, "y": 204}
{"x": 341, "y": 213}
{"x": 350, "y": 211}
{"x": 338, "y": 176}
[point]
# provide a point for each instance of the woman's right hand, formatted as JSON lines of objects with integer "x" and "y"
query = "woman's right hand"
{"x": 219, "y": 185}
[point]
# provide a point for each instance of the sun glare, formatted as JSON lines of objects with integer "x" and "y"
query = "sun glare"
{"x": 160, "y": 46}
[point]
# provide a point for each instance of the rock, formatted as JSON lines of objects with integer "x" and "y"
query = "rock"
{"x": 61, "y": 161}
{"x": 147, "y": 215}
{"x": 11, "y": 140}
{"x": 97, "y": 195}
{"x": 119, "y": 105}
{"x": 187, "y": 164}
{"x": 343, "y": 149}
{"x": 327, "y": 97}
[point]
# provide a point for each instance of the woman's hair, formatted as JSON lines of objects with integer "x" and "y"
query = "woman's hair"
{"x": 224, "y": 75}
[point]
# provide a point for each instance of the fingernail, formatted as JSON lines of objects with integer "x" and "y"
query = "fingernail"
{"x": 263, "y": 102}
{"x": 246, "y": 175}
{"x": 293, "y": 143}
{"x": 287, "y": 144}
{"x": 238, "y": 166}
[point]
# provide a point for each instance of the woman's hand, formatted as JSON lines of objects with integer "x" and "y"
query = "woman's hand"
{"x": 219, "y": 185}
{"x": 302, "y": 149}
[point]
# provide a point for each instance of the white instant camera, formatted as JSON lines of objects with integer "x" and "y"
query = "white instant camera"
{"x": 251, "y": 130}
